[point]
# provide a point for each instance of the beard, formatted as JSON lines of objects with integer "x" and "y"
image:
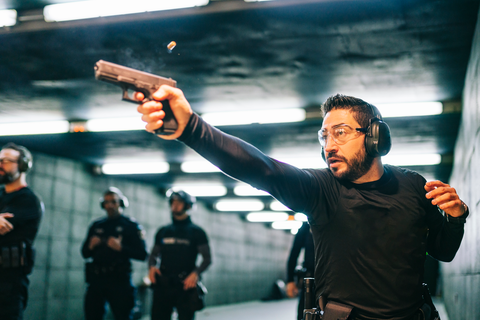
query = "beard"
{"x": 356, "y": 167}
{"x": 8, "y": 177}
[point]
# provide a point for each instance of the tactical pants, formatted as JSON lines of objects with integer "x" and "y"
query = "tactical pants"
{"x": 167, "y": 295}
{"x": 13, "y": 294}
{"x": 117, "y": 291}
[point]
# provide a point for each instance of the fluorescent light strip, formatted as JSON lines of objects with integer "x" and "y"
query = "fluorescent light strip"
{"x": 239, "y": 205}
{"x": 246, "y": 190}
{"x": 135, "y": 168}
{"x": 410, "y": 109}
{"x": 198, "y": 166}
{"x": 412, "y": 159}
{"x": 300, "y": 217}
{"x": 115, "y": 124}
{"x": 202, "y": 190}
{"x": 31, "y": 128}
{"x": 287, "y": 225}
{"x": 305, "y": 163}
{"x": 8, "y": 18}
{"x": 105, "y": 8}
{"x": 278, "y": 206}
{"x": 254, "y": 116}
{"x": 267, "y": 216}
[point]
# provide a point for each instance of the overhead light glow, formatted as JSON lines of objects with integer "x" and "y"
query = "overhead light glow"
{"x": 105, "y": 8}
{"x": 115, "y": 124}
{"x": 235, "y": 205}
{"x": 198, "y": 166}
{"x": 27, "y": 128}
{"x": 209, "y": 190}
{"x": 410, "y": 109}
{"x": 304, "y": 163}
{"x": 267, "y": 216}
{"x": 8, "y": 18}
{"x": 257, "y": 0}
{"x": 278, "y": 206}
{"x": 412, "y": 159}
{"x": 254, "y": 116}
{"x": 135, "y": 168}
{"x": 287, "y": 225}
{"x": 300, "y": 217}
{"x": 247, "y": 190}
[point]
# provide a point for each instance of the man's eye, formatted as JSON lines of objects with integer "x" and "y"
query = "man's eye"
{"x": 340, "y": 132}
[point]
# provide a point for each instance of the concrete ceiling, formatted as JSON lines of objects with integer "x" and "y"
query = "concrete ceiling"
{"x": 232, "y": 55}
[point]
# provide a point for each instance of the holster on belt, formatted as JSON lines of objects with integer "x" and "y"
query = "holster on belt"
{"x": 13, "y": 256}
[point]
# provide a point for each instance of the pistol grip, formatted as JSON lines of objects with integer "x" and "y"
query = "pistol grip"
{"x": 169, "y": 122}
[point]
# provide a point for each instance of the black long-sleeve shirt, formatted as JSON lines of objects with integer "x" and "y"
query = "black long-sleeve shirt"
{"x": 27, "y": 210}
{"x": 133, "y": 243}
{"x": 370, "y": 239}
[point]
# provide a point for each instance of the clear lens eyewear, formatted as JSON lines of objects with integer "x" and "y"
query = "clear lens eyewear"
{"x": 341, "y": 134}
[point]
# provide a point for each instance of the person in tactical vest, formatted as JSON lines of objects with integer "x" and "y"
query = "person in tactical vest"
{"x": 177, "y": 246}
{"x": 20, "y": 214}
{"x": 110, "y": 244}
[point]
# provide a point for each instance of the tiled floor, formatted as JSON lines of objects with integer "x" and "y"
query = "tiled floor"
{"x": 272, "y": 310}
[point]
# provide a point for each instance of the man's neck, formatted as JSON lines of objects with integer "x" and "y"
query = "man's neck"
{"x": 16, "y": 185}
{"x": 374, "y": 174}
{"x": 180, "y": 217}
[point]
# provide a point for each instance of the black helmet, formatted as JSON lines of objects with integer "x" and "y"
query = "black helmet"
{"x": 182, "y": 196}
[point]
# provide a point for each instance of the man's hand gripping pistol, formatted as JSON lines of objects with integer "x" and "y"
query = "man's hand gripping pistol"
{"x": 139, "y": 81}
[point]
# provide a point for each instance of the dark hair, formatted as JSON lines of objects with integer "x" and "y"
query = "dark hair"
{"x": 362, "y": 111}
{"x": 25, "y": 160}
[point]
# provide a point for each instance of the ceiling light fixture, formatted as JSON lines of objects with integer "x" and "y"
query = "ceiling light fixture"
{"x": 105, "y": 8}
{"x": 278, "y": 206}
{"x": 115, "y": 124}
{"x": 287, "y": 225}
{"x": 121, "y": 168}
{"x": 8, "y": 18}
{"x": 31, "y": 128}
{"x": 247, "y": 190}
{"x": 236, "y": 205}
{"x": 410, "y": 109}
{"x": 209, "y": 190}
{"x": 254, "y": 116}
{"x": 267, "y": 216}
{"x": 198, "y": 167}
{"x": 412, "y": 159}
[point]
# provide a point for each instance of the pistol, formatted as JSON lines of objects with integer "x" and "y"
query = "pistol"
{"x": 146, "y": 83}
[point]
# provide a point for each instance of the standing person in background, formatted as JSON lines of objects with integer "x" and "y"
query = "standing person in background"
{"x": 20, "y": 215}
{"x": 303, "y": 240}
{"x": 110, "y": 244}
{"x": 177, "y": 246}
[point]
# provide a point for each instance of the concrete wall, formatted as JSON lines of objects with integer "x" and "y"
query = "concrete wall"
{"x": 247, "y": 257}
{"x": 461, "y": 277}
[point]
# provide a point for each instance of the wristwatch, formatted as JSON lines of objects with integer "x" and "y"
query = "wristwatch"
{"x": 462, "y": 218}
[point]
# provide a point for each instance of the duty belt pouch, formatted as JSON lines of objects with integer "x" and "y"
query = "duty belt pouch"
{"x": 197, "y": 297}
{"x": 336, "y": 311}
{"x": 6, "y": 257}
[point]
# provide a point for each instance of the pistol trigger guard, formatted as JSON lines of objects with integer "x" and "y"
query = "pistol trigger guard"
{"x": 126, "y": 97}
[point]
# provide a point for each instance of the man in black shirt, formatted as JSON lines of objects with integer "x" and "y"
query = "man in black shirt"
{"x": 177, "y": 246}
{"x": 303, "y": 240}
{"x": 20, "y": 214}
{"x": 110, "y": 244}
{"x": 372, "y": 224}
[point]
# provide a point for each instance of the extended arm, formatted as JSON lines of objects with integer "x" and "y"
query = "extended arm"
{"x": 233, "y": 156}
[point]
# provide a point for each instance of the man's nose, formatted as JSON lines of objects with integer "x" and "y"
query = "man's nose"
{"x": 330, "y": 144}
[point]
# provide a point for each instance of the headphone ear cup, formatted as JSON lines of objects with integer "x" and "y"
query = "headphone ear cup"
{"x": 377, "y": 140}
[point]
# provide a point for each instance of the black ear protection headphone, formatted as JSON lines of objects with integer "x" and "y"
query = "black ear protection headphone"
{"x": 186, "y": 198}
{"x": 377, "y": 136}
{"x": 25, "y": 160}
{"x": 123, "y": 201}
